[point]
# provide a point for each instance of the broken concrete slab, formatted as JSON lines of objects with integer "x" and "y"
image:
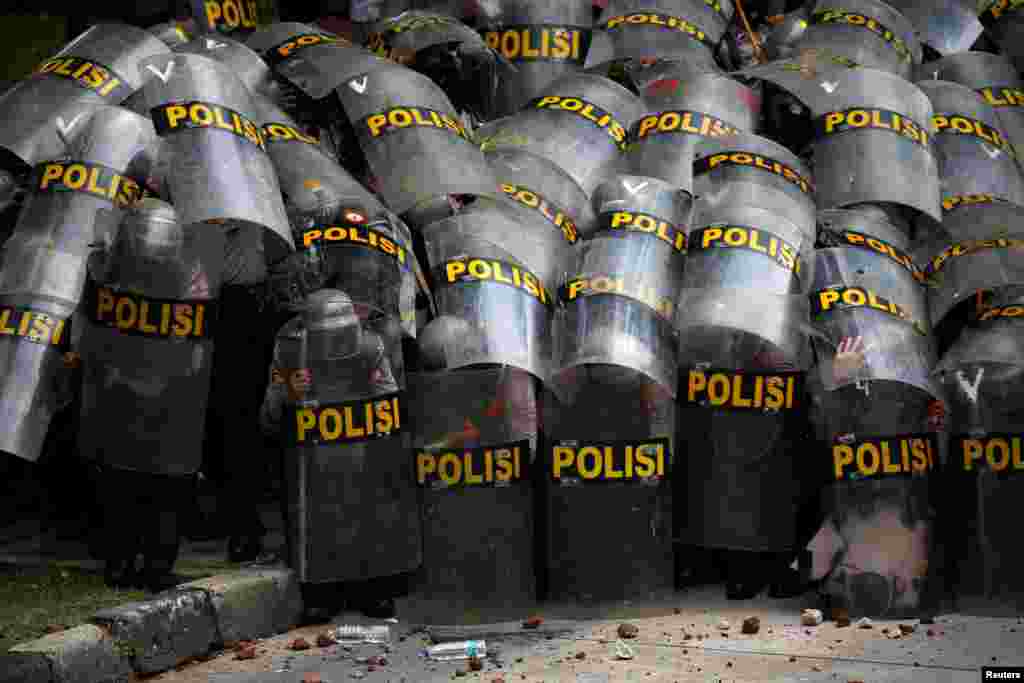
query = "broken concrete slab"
{"x": 84, "y": 654}
{"x": 252, "y": 603}
{"x": 159, "y": 633}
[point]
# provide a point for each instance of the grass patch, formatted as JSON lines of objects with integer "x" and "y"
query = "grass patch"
{"x": 35, "y": 598}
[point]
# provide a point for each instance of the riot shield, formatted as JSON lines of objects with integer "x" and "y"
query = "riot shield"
{"x": 543, "y": 190}
{"x": 982, "y": 378}
{"x": 680, "y": 112}
{"x": 473, "y": 453}
{"x": 871, "y": 321}
{"x": 73, "y": 204}
{"x": 975, "y": 156}
{"x": 218, "y": 168}
{"x": 741, "y": 418}
{"x": 415, "y": 30}
{"x": 100, "y": 67}
{"x": 743, "y": 170}
{"x": 579, "y": 124}
{"x": 607, "y": 502}
{"x": 308, "y": 177}
{"x": 148, "y": 346}
{"x": 240, "y": 59}
{"x": 687, "y": 30}
{"x": 339, "y": 403}
{"x": 873, "y": 549}
{"x": 313, "y": 60}
{"x": 872, "y": 136}
{"x": 493, "y": 306}
{"x": 869, "y": 33}
{"x": 946, "y": 26}
{"x": 995, "y": 79}
{"x": 366, "y": 253}
{"x": 541, "y": 41}
{"x": 783, "y": 34}
{"x": 414, "y": 142}
{"x": 980, "y": 259}
{"x": 618, "y": 299}
{"x": 235, "y": 18}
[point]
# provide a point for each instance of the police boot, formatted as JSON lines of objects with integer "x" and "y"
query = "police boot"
{"x": 746, "y": 575}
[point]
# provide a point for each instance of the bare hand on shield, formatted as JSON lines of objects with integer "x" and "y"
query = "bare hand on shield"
{"x": 849, "y": 358}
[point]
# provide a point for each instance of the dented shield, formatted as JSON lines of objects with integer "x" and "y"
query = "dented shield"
{"x": 100, "y": 67}
{"x": 681, "y": 112}
{"x": 744, "y": 170}
{"x": 473, "y": 455}
{"x": 493, "y": 305}
{"x": 217, "y": 165}
{"x": 607, "y": 464}
{"x": 690, "y": 31}
{"x": 73, "y": 203}
{"x": 147, "y": 348}
{"x": 539, "y": 41}
{"x": 543, "y": 191}
{"x": 995, "y": 79}
{"x": 975, "y": 155}
{"x": 416, "y": 145}
{"x": 868, "y": 33}
{"x": 618, "y": 299}
{"x": 580, "y": 124}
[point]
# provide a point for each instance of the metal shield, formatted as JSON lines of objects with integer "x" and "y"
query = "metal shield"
{"x": 347, "y": 476}
{"x": 580, "y": 124}
{"x": 472, "y": 455}
{"x": 236, "y": 18}
{"x": 681, "y": 111}
{"x": 147, "y": 349}
{"x": 879, "y": 452}
{"x": 618, "y": 299}
{"x": 995, "y": 79}
{"x": 543, "y": 190}
{"x": 540, "y": 41}
{"x": 100, "y": 67}
{"x": 607, "y": 465}
{"x": 73, "y": 204}
{"x": 946, "y": 26}
{"x": 869, "y": 33}
{"x": 871, "y": 321}
{"x": 975, "y": 155}
{"x": 687, "y": 30}
{"x": 366, "y": 253}
{"x": 872, "y": 138}
{"x": 983, "y": 477}
{"x": 172, "y": 33}
{"x": 980, "y": 259}
{"x": 313, "y": 60}
{"x": 248, "y": 66}
{"x": 744, "y": 170}
{"x": 414, "y": 141}
{"x": 218, "y": 168}
{"x": 493, "y": 306}
{"x": 741, "y": 418}
{"x": 415, "y": 30}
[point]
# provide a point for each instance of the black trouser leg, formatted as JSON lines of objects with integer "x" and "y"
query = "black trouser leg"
{"x": 124, "y": 513}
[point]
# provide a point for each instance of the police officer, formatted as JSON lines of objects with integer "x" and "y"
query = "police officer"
{"x": 328, "y": 355}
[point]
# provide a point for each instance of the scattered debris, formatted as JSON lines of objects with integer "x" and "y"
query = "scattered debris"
{"x": 299, "y": 644}
{"x": 325, "y": 640}
{"x": 751, "y": 625}
{"x": 885, "y": 630}
{"x": 907, "y": 629}
{"x": 56, "y": 628}
{"x": 930, "y": 633}
{"x": 841, "y": 616}
{"x": 533, "y": 622}
{"x": 581, "y": 655}
{"x": 811, "y": 617}
{"x": 623, "y": 651}
{"x": 460, "y": 673}
{"x": 476, "y": 664}
{"x": 816, "y": 668}
{"x": 247, "y": 652}
{"x": 792, "y": 659}
{"x": 311, "y": 677}
{"x": 628, "y": 631}
{"x": 865, "y": 623}
{"x": 724, "y": 625}
{"x": 677, "y": 610}
{"x": 687, "y": 636}
{"x": 377, "y": 660}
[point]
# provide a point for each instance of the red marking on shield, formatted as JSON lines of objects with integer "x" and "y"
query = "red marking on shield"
{"x": 665, "y": 86}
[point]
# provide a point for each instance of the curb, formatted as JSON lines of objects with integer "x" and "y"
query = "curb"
{"x": 155, "y": 635}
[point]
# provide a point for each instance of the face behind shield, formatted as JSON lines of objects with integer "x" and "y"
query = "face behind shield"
{"x": 333, "y": 329}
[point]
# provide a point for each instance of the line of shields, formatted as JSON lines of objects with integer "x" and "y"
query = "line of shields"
{"x": 578, "y": 308}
